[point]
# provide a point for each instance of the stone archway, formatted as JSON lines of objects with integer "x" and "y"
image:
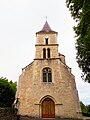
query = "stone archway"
{"x": 48, "y": 108}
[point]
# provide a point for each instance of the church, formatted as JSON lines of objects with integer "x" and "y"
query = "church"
{"x": 46, "y": 87}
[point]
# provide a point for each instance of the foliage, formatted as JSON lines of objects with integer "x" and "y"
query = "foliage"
{"x": 7, "y": 92}
{"x": 85, "y": 109}
{"x": 80, "y": 11}
{"x": 88, "y": 108}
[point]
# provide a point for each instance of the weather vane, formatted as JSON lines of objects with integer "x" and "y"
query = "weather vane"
{"x": 46, "y": 18}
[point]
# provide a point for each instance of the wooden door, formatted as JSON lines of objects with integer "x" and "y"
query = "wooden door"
{"x": 48, "y": 108}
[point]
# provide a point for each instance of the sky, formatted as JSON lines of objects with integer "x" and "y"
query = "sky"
{"x": 19, "y": 22}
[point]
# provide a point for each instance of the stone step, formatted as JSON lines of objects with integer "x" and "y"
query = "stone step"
{"x": 29, "y": 118}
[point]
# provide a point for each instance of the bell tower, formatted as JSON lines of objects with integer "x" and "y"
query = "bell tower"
{"x": 46, "y": 43}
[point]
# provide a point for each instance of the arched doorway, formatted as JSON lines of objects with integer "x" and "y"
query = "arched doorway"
{"x": 48, "y": 108}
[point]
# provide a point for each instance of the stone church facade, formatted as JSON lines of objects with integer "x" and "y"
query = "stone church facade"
{"x": 46, "y": 87}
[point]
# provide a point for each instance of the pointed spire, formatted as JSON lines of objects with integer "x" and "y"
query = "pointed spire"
{"x": 46, "y": 29}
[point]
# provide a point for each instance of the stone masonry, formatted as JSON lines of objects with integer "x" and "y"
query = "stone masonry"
{"x": 61, "y": 91}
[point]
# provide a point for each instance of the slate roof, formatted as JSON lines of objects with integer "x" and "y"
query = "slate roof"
{"x": 46, "y": 29}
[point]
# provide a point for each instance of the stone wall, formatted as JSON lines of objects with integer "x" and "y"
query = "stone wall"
{"x": 30, "y": 118}
{"x": 62, "y": 90}
{"x": 7, "y": 114}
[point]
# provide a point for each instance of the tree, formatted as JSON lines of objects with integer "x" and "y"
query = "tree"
{"x": 88, "y": 108}
{"x": 80, "y": 11}
{"x": 7, "y": 92}
{"x": 85, "y": 109}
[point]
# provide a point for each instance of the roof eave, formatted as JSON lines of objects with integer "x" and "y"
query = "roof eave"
{"x": 49, "y": 32}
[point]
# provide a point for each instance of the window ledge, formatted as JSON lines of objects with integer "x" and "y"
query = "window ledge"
{"x": 47, "y": 83}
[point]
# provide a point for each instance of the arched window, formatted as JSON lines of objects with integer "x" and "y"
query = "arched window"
{"x": 46, "y": 40}
{"x": 44, "y": 53}
{"x": 47, "y": 75}
{"x": 48, "y": 52}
